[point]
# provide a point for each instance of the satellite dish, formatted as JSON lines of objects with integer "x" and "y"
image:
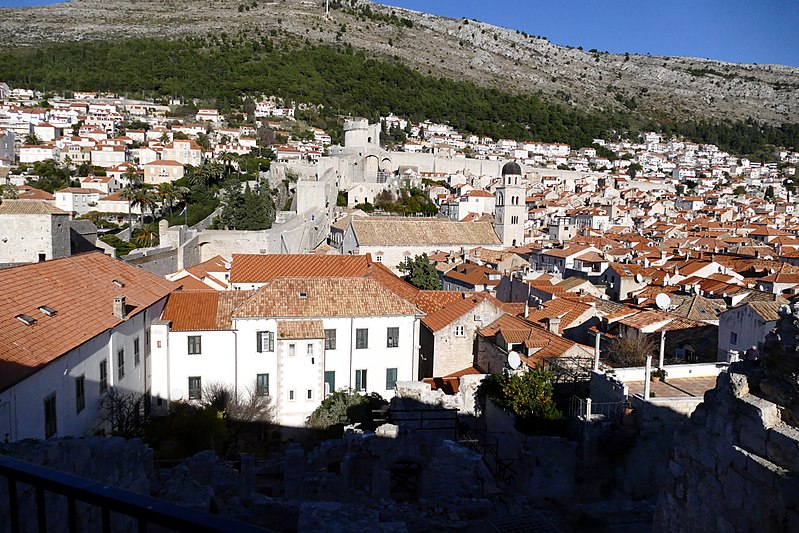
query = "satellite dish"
{"x": 177, "y": 395}
{"x": 514, "y": 361}
{"x": 663, "y": 301}
{"x": 639, "y": 278}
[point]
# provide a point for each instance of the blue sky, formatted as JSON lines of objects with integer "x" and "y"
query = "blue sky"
{"x": 741, "y": 31}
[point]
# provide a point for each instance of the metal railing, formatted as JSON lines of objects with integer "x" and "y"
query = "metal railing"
{"x": 585, "y": 409}
{"x": 144, "y": 510}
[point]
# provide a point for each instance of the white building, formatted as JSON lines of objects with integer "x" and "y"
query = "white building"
{"x": 63, "y": 346}
{"x": 77, "y": 200}
{"x": 295, "y": 339}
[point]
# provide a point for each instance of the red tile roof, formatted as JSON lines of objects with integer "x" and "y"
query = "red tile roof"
{"x": 81, "y": 289}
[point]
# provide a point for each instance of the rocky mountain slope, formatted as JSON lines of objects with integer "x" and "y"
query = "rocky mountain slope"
{"x": 650, "y": 86}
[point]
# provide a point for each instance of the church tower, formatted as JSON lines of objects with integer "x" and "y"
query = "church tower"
{"x": 511, "y": 209}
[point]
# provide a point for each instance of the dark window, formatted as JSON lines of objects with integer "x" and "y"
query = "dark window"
{"x": 195, "y": 388}
{"x": 265, "y": 341}
{"x": 147, "y": 341}
{"x": 392, "y": 337}
{"x": 80, "y": 393}
{"x": 391, "y": 378}
{"x": 136, "y": 352}
{"x": 103, "y": 376}
{"x": 330, "y": 381}
{"x": 50, "y": 424}
{"x": 360, "y": 380}
{"x": 121, "y": 364}
{"x": 195, "y": 345}
{"x": 309, "y": 394}
{"x": 42, "y": 257}
{"x": 361, "y": 338}
{"x": 733, "y": 337}
{"x": 262, "y": 384}
{"x": 330, "y": 339}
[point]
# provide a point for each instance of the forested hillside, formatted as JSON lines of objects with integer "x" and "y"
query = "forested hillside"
{"x": 223, "y": 69}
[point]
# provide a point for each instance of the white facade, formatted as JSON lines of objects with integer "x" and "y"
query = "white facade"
{"x": 300, "y": 371}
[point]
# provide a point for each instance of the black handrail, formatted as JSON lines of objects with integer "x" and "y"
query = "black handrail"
{"x": 144, "y": 509}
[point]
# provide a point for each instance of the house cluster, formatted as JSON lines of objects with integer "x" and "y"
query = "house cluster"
{"x": 537, "y": 266}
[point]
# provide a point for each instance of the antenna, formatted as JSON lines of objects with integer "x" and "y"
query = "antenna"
{"x": 663, "y": 301}
{"x": 514, "y": 361}
{"x": 327, "y": 7}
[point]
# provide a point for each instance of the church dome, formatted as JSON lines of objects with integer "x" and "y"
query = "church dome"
{"x": 512, "y": 168}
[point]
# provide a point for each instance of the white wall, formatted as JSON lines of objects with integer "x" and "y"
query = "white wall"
{"x": 22, "y": 406}
{"x": 231, "y": 357}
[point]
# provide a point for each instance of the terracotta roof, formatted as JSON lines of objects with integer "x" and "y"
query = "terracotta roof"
{"x": 251, "y": 268}
{"x": 445, "y": 308}
{"x": 81, "y": 289}
{"x": 471, "y": 274}
{"x": 29, "y": 207}
{"x": 202, "y": 310}
{"x": 26, "y": 192}
{"x": 374, "y": 231}
{"x": 190, "y": 283}
{"x": 300, "y": 329}
{"x": 324, "y": 297}
{"x": 215, "y": 264}
{"x": 517, "y": 330}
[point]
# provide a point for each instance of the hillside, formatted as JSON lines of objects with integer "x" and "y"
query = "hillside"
{"x": 651, "y": 87}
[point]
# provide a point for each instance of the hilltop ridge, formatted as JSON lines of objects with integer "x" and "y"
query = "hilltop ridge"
{"x": 647, "y": 86}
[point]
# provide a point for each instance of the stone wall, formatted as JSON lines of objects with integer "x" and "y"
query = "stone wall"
{"x": 126, "y": 464}
{"x": 736, "y": 468}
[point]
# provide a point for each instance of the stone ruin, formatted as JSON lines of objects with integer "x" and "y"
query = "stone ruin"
{"x": 737, "y": 467}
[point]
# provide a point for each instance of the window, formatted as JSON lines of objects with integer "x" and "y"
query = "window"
{"x": 195, "y": 345}
{"x": 330, "y": 382}
{"x": 265, "y": 341}
{"x": 292, "y": 350}
{"x": 309, "y": 349}
{"x": 330, "y": 339}
{"x": 459, "y": 331}
{"x": 360, "y": 380}
{"x": 50, "y": 424}
{"x": 391, "y": 378}
{"x": 291, "y": 395}
{"x": 733, "y": 338}
{"x": 136, "y": 354}
{"x": 195, "y": 388}
{"x": 262, "y": 384}
{"x": 103, "y": 376}
{"x": 309, "y": 394}
{"x": 361, "y": 338}
{"x": 121, "y": 364}
{"x": 379, "y": 258}
{"x": 392, "y": 337}
{"x": 80, "y": 393}
{"x": 147, "y": 341}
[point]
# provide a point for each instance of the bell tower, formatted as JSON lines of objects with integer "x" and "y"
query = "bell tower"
{"x": 510, "y": 210}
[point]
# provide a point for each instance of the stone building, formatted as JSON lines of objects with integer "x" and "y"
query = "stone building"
{"x": 31, "y": 231}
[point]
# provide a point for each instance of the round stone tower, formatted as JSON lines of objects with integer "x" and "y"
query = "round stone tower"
{"x": 356, "y": 133}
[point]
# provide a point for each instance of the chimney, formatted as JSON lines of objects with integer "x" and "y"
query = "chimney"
{"x": 553, "y": 324}
{"x": 119, "y": 307}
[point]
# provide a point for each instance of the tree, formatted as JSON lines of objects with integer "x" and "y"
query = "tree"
{"x": 421, "y": 273}
{"x": 769, "y": 194}
{"x": 344, "y": 407}
{"x": 740, "y": 190}
{"x": 634, "y": 169}
{"x": 124, "y": 412}
{"x": 527, "y": 394}
{"x": 128, "y": 193}
{"x": 32, "y": 139}
{"x": 630, "y": 350}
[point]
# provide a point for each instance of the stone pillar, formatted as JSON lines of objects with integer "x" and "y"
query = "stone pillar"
{"x": 662, "y": 348}
{"x": 647, "y": 381}
{"x": 588, "y": 409}
{"x": 596, "y": 351}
